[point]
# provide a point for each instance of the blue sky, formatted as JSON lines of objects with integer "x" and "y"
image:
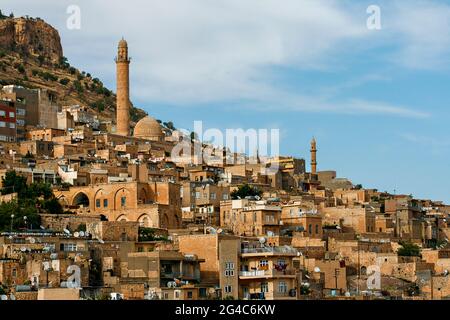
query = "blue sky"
{"x": 377, "y": 101}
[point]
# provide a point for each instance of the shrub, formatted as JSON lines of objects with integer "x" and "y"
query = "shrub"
{"x": 64, "y": 81}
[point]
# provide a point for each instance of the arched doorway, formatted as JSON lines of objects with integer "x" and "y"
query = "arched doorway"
{"x": 81, "y": 199}
{"x": 145, "y": 221}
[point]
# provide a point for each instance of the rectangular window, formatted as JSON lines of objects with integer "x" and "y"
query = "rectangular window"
{"x": 12, "y": 125}
{"x": 264, "y": 264}
{"x": 21, "y": 112}
{"x": 68, "y": 247}
{"x": 212, "y": 196}
{"x": 123, "y": 201}
{"x": 228, "y": 289}
{"x": 11, "y": 114}
{"x": 229, "y": 273}
{"x": 20, "y": 122}
{"x": 225, "y": 196}
{"x": 2, "y": 124}
{"x": 2, "y": 113}
{"x": 97, "y": 203}
{"x": 105, "y": 203}
{"x": 264, "y": 287}
{"x": 3, "y": 138}
{"x": 189, "y": 295}
{"x": 197, "y": 195}
{"x": 282, "y": 287}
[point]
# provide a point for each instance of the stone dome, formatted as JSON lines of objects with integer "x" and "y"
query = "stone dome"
{"x": 148, "y": 128}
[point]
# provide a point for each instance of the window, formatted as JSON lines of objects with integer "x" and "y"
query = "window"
{"x": 20, "y": 112}
{"x": 225, "y": 196}
{"x": 317, "y": 229}
{"x": 68, "y": 247}
{"x": 229, "y": 265}
{"x": 189, "y": 294}
{"x": 3, "y": 138}
{"x": 229, "y": 269}
{"x": 212, "y": 196}
{"x": 263, "y": 264}
{"x": 282, "y": 287}
{"x": 123, "y": 201}
{"x": 14, "y": 272}
{"x": 2, "y": 113}
{"x": 20, "y": 122}
{"x": 2, "y": 124}
{"x": 177, "y": 294}
{"x": 97, "y": 203}
{"x": 264, "y": 287}
{"x": 11, "y": 114}
{"x": 228, "y": 289}
{"x": 105, "y": 203}
{"x": 270, "y": 218}
{"x": 12, "y": 125}
{"x": 310, "y": 229}
{"x": 197, "y": 195}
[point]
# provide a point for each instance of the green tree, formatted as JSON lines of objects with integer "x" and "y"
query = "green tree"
{"x": 408, "y": 249}
{"x": 245, "y": 191}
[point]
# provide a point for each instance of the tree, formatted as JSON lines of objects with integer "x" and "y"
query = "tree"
{"x": 245, "y": 191}
{"x": 12, "y": 182}
{"x": 408, "y": 249}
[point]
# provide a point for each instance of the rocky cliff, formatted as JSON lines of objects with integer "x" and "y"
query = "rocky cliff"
{"x": 31, "y": 55}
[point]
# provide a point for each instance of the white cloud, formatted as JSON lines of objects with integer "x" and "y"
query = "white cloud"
{"x": 197, "y": 51}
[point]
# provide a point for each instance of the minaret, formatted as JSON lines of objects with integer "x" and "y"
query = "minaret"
{"x": 123, "y": 90}
{"x": 313, "y": 156}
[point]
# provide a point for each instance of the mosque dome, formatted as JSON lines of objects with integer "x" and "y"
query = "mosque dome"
{"x": 148, "y": 128}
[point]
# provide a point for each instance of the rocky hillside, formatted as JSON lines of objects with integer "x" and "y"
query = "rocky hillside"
{"x": 31, "y": 55}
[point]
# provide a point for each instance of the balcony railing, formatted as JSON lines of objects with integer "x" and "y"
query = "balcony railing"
{"x": 282, "y": 250}
{"x": 266, "y": 273}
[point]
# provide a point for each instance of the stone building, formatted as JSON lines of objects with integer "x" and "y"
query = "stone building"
{"x": 151, "y": 204}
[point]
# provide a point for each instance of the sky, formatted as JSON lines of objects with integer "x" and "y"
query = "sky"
{"x": 376, "y": 100}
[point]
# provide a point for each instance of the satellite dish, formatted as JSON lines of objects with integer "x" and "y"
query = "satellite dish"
{"x": 258, "y": 198}
{"x": 12, "y": 297}
{"x": 347, "y": 294}
{"x": 101, "y": 241}
{"x": 86, "y": 234}
{"x": 82, "y": 234}
{"x": 317, "y": 269}
{"x": 76, "y": 234}
{"x": 54, "y": 256}
{"x": 42, "y": 227}
{"x": 66, "y": 231}
{"x": 262, "y": 240}
{"x": 3, "y": 297}
{"x": 219, "y": 230}
{"x": 23, "y": 249}
{"x": 32, "y": 240}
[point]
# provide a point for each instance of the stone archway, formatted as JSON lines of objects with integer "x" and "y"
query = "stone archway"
{"x": 122, "y": 218}
{"x": 165, "y": 221}
{"x": 81, "y": 199}
{"x": 145, "y": 221}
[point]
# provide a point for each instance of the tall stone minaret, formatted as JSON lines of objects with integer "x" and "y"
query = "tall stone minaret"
{"x": 313, "y": 156}
{"x": 123, "y": 89}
